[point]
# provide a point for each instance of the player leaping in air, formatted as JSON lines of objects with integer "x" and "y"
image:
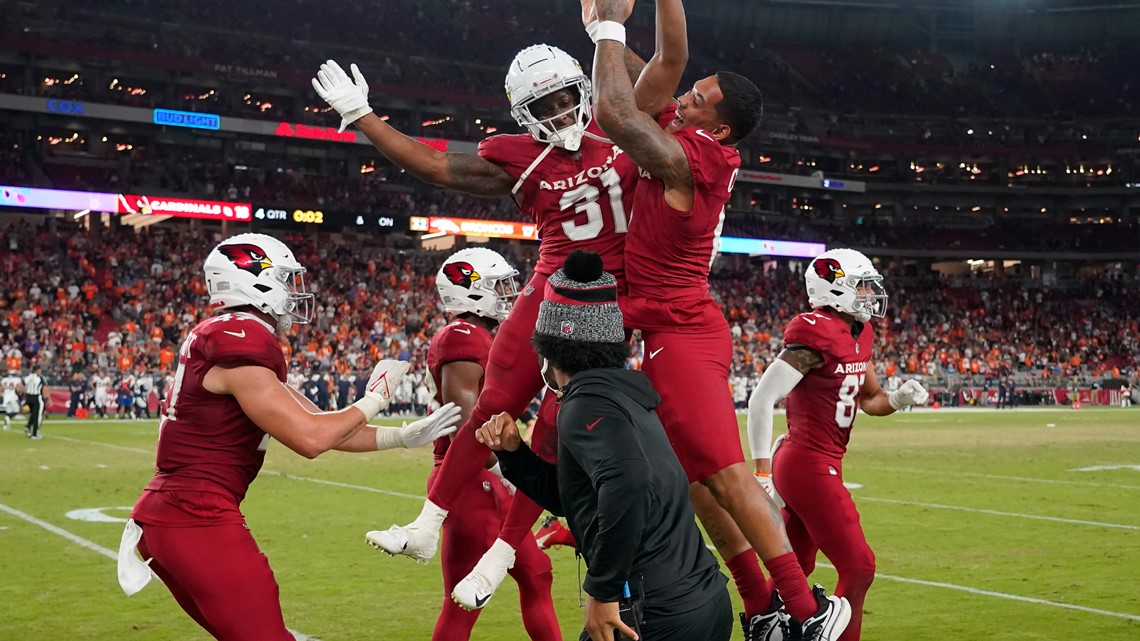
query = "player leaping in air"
{"x": 825, "y": 371}
{"x": 688, "y": 162}
{"x": 578, "y": 187}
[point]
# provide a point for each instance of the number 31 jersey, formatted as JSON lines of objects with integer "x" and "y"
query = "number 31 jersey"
{"x": 578, "y": 200}
{"x": 821, "y": 409}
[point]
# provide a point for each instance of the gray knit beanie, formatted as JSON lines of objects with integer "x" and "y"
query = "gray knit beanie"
{"x": 581, "y": 303}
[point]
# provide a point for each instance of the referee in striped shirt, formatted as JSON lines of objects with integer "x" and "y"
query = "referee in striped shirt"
{"x": 34, "y": 394}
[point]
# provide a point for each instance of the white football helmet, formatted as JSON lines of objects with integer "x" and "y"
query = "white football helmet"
{"x": 261, "y": 272}
{"x": 539, "y": 71}
{"x": 847, "y": 281}
{"x": 477, "y": 281}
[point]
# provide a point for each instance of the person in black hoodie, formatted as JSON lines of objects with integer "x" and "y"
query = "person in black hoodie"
{"x": 617, "y": 480}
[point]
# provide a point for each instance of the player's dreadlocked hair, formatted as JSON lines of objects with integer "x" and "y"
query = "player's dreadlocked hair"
{"x": 578, "y": 356}
{"x": 741, "y": 107}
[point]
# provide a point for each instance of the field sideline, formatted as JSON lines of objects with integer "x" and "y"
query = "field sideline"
{"x": 986, "y": 524}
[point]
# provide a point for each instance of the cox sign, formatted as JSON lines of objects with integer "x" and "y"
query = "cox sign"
{"x": 65, "y": 107}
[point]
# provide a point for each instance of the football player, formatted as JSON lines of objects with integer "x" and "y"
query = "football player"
{"x": 102, "y": 384}
{"x": 477, "y": 287}
{"x": 228, "y": 399}
{"x": 577, "y": 186}
{"x": 688, "y": 163}
{"x": 11, "y": 399}
{"x": 826, "y": 374}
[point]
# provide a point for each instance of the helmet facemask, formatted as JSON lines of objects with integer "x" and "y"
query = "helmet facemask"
{"x": 540, "y": 71}
{"x": 299, "y": 304}
{"x": 870, "y": 297}
{"x": 506, "y": 290}
{"x": 568, "y": 137}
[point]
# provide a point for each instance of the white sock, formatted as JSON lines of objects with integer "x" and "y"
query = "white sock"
{"x": 500, "y": 554}
{"x": 431, "y": 515}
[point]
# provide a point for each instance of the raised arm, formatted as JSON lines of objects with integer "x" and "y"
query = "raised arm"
{"x": 657, "y": 84}
{"x": 636, "y": 133}
{"x": 462, "y": 172}
{"x": 653, "y": 90}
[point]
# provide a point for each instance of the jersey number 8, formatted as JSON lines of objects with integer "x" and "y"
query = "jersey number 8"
{"x": 848, "y": 399}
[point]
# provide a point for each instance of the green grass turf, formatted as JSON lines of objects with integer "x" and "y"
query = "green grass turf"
{"x": 912, "y": 467}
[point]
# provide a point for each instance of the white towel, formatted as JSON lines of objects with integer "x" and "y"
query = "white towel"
{"x": 134, "y": 573}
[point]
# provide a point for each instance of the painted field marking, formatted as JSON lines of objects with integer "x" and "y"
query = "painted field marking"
{"x": 1034, "y": 517}
{"x": 95, "y": 547}
{"x": 1001, "y": 477}
{"x": 889, "y": 577}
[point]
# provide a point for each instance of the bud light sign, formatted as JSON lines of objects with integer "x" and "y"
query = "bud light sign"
{"x": 186, "y": 119}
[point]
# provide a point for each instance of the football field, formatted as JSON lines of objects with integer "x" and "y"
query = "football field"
{"x": 987, "y": 525}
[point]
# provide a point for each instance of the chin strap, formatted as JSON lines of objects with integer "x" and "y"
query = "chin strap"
{"x": 526, "y": 174}
{"x": 587, "y": 134}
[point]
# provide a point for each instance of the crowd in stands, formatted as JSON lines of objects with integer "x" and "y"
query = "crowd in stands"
{"x": 120, "y": 302}
{"x": 853, "y": 91}
{"x": 957, "y": 330}
{"x": 389, "y": 191}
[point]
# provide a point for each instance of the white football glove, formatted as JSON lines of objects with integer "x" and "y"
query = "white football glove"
{"x": 335, "y": 87}
{"x": 911, "y": 393}
{"x": 765, "y": 481}
{"x": 442, "y": 422}
{"x": 378, "y": 393}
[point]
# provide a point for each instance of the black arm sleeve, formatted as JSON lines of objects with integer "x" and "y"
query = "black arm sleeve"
{"x": 607, "y": 446}
{"x": 533, "y": 476}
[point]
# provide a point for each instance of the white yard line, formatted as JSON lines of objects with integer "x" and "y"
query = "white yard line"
{"x": 349, "y": 486}
{"x": 121, "y": 448}
{"x": 95, "y": 547}
{"x": 999, "y": 477}
{"x": 1034, "y": 517}
{"x": 879, "y": 575}
{"x": 1001, "y": 595}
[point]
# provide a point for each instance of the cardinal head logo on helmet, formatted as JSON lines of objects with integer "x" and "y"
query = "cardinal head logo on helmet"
{"x": 828, "y": 269}
{"x": 461, "y": 274}
{"x": 245, "y": 256}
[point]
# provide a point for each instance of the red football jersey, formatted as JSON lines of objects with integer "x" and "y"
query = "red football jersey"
{"x": 821, "y": 409}
{"x": 459, "y": 340}
{"x": 206, "y": 442}
{"x": 578, "y": 200}
{"x": 668, "y": 253}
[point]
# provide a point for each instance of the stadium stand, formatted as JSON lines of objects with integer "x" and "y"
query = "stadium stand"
{"x": 1022, "y": 161}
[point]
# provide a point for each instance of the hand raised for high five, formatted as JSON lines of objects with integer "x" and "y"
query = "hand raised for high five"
{"x": 615, "y": 10}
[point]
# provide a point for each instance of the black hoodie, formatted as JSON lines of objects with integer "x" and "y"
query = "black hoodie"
{"x": 624, "y": 494}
